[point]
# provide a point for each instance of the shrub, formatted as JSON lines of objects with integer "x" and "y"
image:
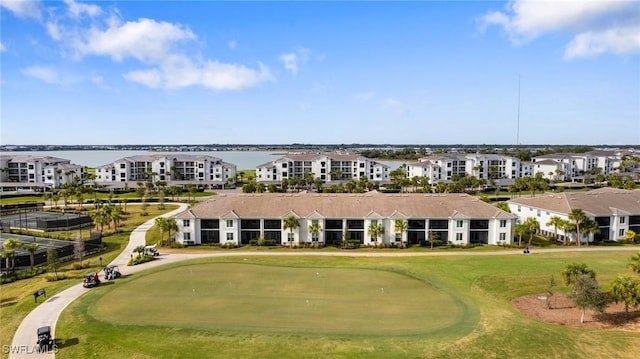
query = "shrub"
{"x": 51, "y": 277}
{"x": 351, "y": 244}
{"x": 86, "y": 264}
{"x": 138, "y": 260}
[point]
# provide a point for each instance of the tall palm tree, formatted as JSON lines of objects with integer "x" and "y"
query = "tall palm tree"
{"x": 31, "y": 248}
{"x": 578, "y": 217}
{"x": 401, "y": 226}
{"x": 315, "y": 230}
{"x": 10, "y": 247}
{"x": 290, "y": 223}
{"x": 590, "y": 227}
{"x": 531, "y": 226}
{"x": 172, "y": 225}
{"x": 519, "y": 230}
{"x": 556, "y": 222}
{"x": 161, "y": 223}
{"x": 375, "y": 230}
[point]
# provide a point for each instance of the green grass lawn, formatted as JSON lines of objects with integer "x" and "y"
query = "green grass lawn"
{"x": 445, "y": 307}
{"x": 307, "y": 300}
{"x": 16, "y": 299}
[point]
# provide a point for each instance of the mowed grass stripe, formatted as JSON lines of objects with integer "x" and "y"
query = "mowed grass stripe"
{"x": 247, "y": 297}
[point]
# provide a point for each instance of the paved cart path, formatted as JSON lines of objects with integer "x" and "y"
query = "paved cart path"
{"x": 48, "y": 312}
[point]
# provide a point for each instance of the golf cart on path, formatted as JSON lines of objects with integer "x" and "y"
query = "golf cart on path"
{"x": 45, "y": 342}
{"x": 111, "y": 272}
{"x": 90, "y": 280}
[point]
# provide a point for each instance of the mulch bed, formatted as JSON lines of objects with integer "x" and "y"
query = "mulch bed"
{"x": 564, "y": 312}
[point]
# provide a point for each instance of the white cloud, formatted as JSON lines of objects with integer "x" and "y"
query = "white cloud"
{"x": 595, "y": 24}
{"x": 619, "y": 41}
{"x": 292, "y": 60}
{"x": 180, "y": 72}
{"x": 145, "y": 40}
{"x": 2, "y": 47}
{"x": 77, "y": 10}
{"x": 23, "y": 8}
{"x": 42, "y": 73}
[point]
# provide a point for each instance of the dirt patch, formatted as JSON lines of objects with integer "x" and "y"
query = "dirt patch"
{"x": 564, "y": 312}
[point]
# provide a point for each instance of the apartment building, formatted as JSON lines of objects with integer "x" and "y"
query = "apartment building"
{"x": 615, "y": 210}
{"x": 567, "y": 166}
{"x": 174, "y": 169}
{"x": 38, "y": 171}
{"x": 239, "y": 218}
{"x": 442, "y": 168}
{"x": 327, "y": 167}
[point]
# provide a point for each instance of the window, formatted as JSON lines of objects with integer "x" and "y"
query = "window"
{"x": 290, "y": 237}
{"x": 503, "y": 236}
{"x": 458, "y": 236}
{"x": 538, "y": 213}
{"x": 185, "y": 223}
{"x": 314, "y": 237}
{"x": 186, "y": 236}
{"x": 122, "y": 165}
{"x": 315, "y": 221}
{"x": 229, "y": 236}
{"x": 518, "y": 208}
{"x": 503, "y": 223}
{"x": 229, "y": 223}
{"x": 398, "y": 237}
{"x": 622, "y": 220}
{"x": 459, "y": 223}
{"x": 621, "y": 232}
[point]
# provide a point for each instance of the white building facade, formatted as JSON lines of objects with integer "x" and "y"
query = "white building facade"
{"x": 442, "y": 168}
{"x": 326, "y": 167}
{"x": 238, "y": 219}
{"x": 615, "y": 210}
{"x": 47, "y": 171}
{"x": 203, "y": 169}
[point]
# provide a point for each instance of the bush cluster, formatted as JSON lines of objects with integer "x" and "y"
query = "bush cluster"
{"x": 141, "y": 259}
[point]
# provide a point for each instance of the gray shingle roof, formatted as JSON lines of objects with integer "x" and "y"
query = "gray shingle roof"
{"x": 600, "y": 202}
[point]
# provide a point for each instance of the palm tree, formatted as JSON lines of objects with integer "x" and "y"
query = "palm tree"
{"x": 578, "y": 217}
{"x": 375, "y": 230}
{"x": 315, "y": 230}
{"x": 290, "y": 223}
{"x": 401, "y": 226}
{"x": 10, "y": 247}
{"x": 556, "y": 222}
{"x": 634, "y": 263}
{"x": 31, "y": 248}
{"x": 172, "y": 225}
{"x": 590, "y": 227}
{"x": 519, "y": 230}
{"x": 161, "y": 223}
{"x": 531, "y": 226}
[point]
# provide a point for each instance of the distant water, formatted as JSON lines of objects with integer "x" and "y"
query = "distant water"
{"x": 244, "y": 160}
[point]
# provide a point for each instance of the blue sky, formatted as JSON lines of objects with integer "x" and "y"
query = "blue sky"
{"x": 416, "y": 72}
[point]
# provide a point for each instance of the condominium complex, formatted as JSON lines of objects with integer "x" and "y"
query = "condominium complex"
{"x": 37, "y": 172}
{"x": 559, "y": 166}
{"x": 442, "y": 168}
{"x": 567, "y": 166}
{"x": 327, "y": 167}
{"x": 615, "y": 210}
{"x": 178, "y": 169}
{"x": 239, "y": 218}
